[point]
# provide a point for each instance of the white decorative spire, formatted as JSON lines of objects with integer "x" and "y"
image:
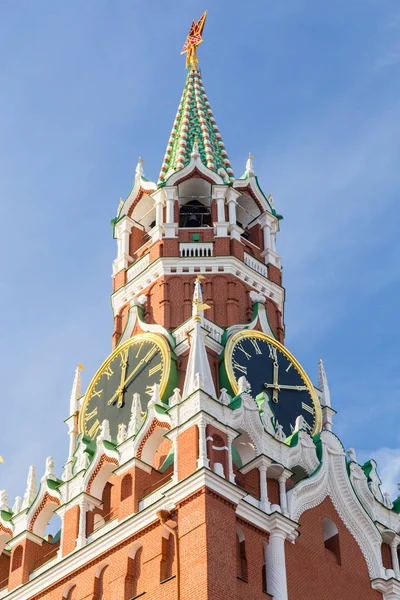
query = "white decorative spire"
{"x": 195, "y": 150}
{"x": 136, "y": 415}
{"x": 104, "y": 432}
{"x": 351, "y": 453}
{"x": 176, "y": 397}
{"x": 76, "y": 391}
{"x": 224, "y": 397}
{"x": 249, "y": 165}
{"x": 17, "y": 505}
{"x": 30, "y": 492}
{"x": 3, "y": 500}
{"x": 155, "y": 395}
{"x": 48, "y": 473}
{"x": 198, "y": 373}
{"x": 139, "y": 168}
{"x": 323, "y": 384}
{"x": 121, "y": 435}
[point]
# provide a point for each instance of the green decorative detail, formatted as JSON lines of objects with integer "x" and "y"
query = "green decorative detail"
{"x": 195, "y": 237}
{"x": 194, "y": 122}
{"x": 396, "y": 505}
{"x": 168, "y": 461}
{"x": 292, "y": 440}
{"x": 5, "y": 516}
{"x": 109, "y": 445}
{"x": 236, "y": 402}
{"x": 53, "y": 484}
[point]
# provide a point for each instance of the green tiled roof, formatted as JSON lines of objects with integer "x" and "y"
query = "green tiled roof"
{"x": 194, "y": 122}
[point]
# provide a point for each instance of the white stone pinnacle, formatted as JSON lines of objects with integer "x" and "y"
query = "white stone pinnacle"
{"x": 30, "y": 492}
{"x": 104, "y": 432}
{"x": 136, "y": 415}
{"x": 76, "y": 391}
{"x": 323, "y": 384}
{"x": 249, "y": 165}
{"x": 139, "y": 168}
{"x": 48, "y": 473}
{"x": 17, "y": 505}
{"x": 198, "y": 372}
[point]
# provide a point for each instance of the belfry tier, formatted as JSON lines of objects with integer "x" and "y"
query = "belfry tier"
{"x": 198, "y": 219}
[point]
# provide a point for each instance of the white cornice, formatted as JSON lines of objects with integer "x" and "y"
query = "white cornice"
{"x": 175, "y": 265}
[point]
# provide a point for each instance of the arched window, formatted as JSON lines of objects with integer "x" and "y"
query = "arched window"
{"x": 167, "y": 557}
{"x": 126, "y": 487}
{"x": 194, "y": 214}
{"x": 17, "y": 558}
{"x": 241, "y": 560}
{"x": 134, "y": 568}
{"x": 331, "y": 538}
{"x": 99, "y": 584}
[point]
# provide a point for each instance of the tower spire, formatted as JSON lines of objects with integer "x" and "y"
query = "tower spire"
{"x": 194, "y": 121}
{"x": 323, "y": 384}
{"x": 198, "y": 373}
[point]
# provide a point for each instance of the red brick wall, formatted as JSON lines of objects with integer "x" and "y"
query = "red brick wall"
{"x": 188, "y": 444}
{"x": 313, "y": 571}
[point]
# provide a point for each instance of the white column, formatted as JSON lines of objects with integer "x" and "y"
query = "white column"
{"x": 159, "y": 211}
{"x": 230, "y": 462}
{"x": 273, "y": 241}
{"x": 266, "y": 236}
{"x": 395, "y": 558}
{"x": 72, "y": 432}
{"x": 265, "y": 505}
{"x": 202, "y": 461}
{"x": 81, "y": 539}
{"x": 276, "y": 565}
{"x": 282, "y": 494}
{"x": 232, "y": 211}
{"x": 169, "y": 213}
{"x": 220, "y": 209}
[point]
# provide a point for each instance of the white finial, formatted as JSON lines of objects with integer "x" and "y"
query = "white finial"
{"x": 139, "y": 168}
{"x": 3, "y": 500}
{"x": 136, "y": 415}
{"x": 48, "y": 473}
{"x": 30, "y": 492}
{"x": 82, "y": 458}
{"x": 280, "y": 434}
{"x": 121, "y": 435}
{"x": 323, "y": 384}
{"x": 257, "y": 297}
{"x": 176, "y": 397}
{"x": 195, "y": 150}
{"x": 76, "y": 391}
{"x": 244, "y": 385}
{"x": 299, "y": 424}
{"x": 271, "y": 200}
{"x": 249, "y": 165}
{"x": 67, "y": 473}
{"x": 139, "y": 300}
{"x": 351, "y": 453}
{"x": 198, "y": 306}
{"x": 104, "y": 432}
{"x": 155, "y": 395}
{"x": 17, "y": 505}
{"x": 224, "y": 397}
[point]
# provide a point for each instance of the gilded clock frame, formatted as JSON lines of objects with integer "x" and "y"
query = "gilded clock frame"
{"x": 251, "y": 333}
{"x": 146, "y": 337}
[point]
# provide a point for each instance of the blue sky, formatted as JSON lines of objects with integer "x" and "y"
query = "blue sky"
{"x": 310, "y": 88}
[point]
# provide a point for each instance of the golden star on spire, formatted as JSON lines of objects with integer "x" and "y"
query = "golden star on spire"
{"x": 193, "y": 40}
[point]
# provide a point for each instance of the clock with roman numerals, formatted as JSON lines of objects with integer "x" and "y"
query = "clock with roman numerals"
{"x": 270, "y": 368}
{"x": 134, "y": 366}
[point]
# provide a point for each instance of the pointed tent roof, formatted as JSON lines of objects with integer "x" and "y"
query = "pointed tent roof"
{"x": 194, "y": 121}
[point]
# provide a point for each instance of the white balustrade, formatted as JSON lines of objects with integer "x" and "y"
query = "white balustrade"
{"x": 255, "y": 264}
{"x": 195, "y": 249}
{"x": 138, "y": 267}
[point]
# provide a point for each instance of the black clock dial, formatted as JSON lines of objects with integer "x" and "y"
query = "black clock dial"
{"x": 270, "y": 368}
{"x": 135, "y": 367}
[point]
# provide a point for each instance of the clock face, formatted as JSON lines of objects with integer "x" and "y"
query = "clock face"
{"x": 135, "y": 366}
{"x": 269, "y": 367}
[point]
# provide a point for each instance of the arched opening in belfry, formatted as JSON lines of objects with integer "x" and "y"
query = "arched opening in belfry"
{"x": 194, "y": 214}
{"x": 331, "y": 538}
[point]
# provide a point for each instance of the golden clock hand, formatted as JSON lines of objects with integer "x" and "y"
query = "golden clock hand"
{"x": 120, "y": 390}
{"x": 276, "y": 386}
